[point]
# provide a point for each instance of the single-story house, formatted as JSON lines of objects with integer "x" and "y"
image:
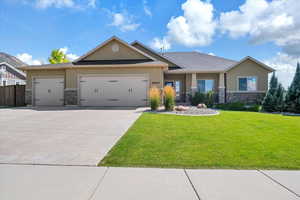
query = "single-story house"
{"x": 116, "y": 73}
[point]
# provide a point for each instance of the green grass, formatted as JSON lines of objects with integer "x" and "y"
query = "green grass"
{"x": 240, "y": 140}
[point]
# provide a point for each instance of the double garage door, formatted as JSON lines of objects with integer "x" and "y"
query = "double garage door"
{"x": 94, "y": 91}
{"x": 113, "y": 91}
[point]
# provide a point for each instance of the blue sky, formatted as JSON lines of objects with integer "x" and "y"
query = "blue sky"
{"x": 266, "y": 30}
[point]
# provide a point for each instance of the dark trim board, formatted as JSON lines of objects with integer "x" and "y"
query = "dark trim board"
{"x": 106, "y": 62}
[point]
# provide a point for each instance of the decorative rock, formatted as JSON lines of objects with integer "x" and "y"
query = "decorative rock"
{"x": 201, "y": 105}
{"x": 181, "y": 108}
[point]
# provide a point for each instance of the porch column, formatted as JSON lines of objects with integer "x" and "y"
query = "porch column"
{"x": 194, "y": 83}
{"x": 221, "y": 88}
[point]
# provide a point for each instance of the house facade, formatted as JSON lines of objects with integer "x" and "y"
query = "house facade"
{"x": 116, "y": 73}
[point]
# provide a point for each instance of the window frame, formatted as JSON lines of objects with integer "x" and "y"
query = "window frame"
{"x": 238, "y": 83}
{"x": 213, "y": 86}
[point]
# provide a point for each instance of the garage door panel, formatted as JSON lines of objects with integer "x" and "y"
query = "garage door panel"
{"x": 117, "y": 91}
{"x": 49, "y": 91}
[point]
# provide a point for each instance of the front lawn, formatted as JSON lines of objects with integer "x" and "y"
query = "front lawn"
{"x": 229, "y": 140}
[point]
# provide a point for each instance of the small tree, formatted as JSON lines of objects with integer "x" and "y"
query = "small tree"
{"x": 57, "y": 56}
{"x": 292, "y": 101}
{"x": 270, "y": 100}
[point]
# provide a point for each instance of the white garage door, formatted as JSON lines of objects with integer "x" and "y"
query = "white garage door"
{"x": 49, "y": 91}
{"x": 113, "y": 91}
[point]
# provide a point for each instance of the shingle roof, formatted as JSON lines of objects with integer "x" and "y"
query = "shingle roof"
{"x": 12, "y": 60}
{"x": 199, "y": 61}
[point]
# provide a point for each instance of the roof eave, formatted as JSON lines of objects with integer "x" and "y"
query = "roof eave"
{"x": 41, "y": 67}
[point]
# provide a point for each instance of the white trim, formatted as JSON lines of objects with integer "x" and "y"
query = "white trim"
{"x": 17, "y": 70}
{"x": 106, "y": 42}
{"x": 238, "y": 84}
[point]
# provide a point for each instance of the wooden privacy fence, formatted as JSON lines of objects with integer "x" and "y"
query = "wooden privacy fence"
{"x": 12, "y": 95}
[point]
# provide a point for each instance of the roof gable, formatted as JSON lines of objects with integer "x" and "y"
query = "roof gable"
{"x": 114, "y": 49}
{"x": 253, "y": 60}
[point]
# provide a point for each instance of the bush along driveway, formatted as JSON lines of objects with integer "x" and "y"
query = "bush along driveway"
{"x": 244, "y": 140}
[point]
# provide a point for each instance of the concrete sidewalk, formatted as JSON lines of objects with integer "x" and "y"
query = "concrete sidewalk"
{"x": 84, "y": 183}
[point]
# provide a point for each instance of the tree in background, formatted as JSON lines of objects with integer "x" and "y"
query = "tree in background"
{"x": 279, "y": 96}
{"x": 58, "y": 56}
{"x": 292, "y": 100}
{"x": 270, "y": 101}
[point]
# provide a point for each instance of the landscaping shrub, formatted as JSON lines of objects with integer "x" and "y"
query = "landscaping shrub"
{"x": 203, "y": 98}
{"x": 154, "y": 95}
{"x": 169, "y": 97}
{"x": 238, "y": 106}
{"x": 197, "y": 98}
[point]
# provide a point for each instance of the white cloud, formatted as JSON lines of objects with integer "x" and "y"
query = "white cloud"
{"x": 160, "y": 44}
{"x": 266, "y": 21}
{"x": 70, "y": 56}
{"x": 27, "y": 58}
{"x": 197, "y": 25}
{"x": 285, "y": 66}
{"x": 146, "y": 8}
{"x": 124, "y": 22}
{"x": 211, "y": 54}
{"x": 92, "y": 3}
{"x": 54, "y": 3}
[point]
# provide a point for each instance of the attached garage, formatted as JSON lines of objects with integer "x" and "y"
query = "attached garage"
{"x": 48, "y": 91}
{"x": 113, "y": 90}
{"x": 114, "y": 74}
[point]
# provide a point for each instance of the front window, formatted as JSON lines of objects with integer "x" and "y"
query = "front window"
{"x": 247, "y": 83}
{"x": 205, "y": 85}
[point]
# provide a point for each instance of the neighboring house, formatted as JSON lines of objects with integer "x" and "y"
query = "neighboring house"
{"x": 9, "y": 72}
{"x": 11, "y": 60}
{"x": 116, "y": 73}
{"x": 10, "y": 75}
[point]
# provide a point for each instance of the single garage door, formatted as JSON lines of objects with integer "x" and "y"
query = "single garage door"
{"x": 113, "y": 91}
{"x": 49, "y": 91}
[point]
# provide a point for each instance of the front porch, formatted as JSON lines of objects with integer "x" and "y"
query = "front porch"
{"x": 187, "y": 84}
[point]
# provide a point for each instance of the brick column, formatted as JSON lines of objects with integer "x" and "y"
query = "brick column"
{"x": 221, "y": 88}
{"x": 71, "y": 96}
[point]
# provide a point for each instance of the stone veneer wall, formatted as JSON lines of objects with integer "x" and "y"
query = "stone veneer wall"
{"x": 251, "y": 97}
{"x": 71, "y": 97}
{"x": 28, "y": 97}
{"x": 221, "y": 95}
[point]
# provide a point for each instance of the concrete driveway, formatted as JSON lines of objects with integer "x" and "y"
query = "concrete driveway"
{"x": 61, "y": 136}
